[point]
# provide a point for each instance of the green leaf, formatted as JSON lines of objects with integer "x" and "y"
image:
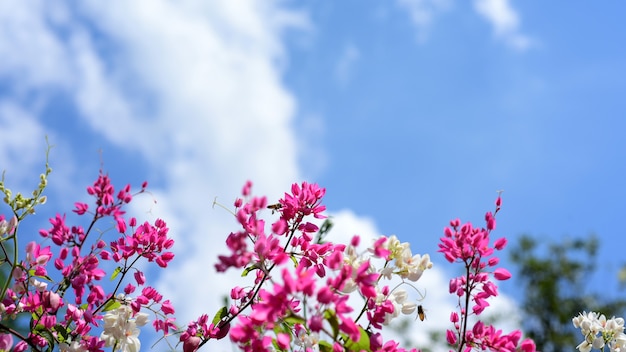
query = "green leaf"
{"x": 331, "y": 317}
{"x": 362, "y": 345}
{"x": 220, "y": 315}
{"x": 323, "y": 231}
{"x": 112, "y": 304}
{"x": 294, "y": 319}
{"x": 62, "y": 331}
{"x": 46, "y": 334}
{"x": 325, "y": 346}
{"x": 115, "y": 273}
{"x": 247, "y": 270}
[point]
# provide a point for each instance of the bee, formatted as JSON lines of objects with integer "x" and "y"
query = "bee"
{"x": 420, "y": 312}
{"x": 275, "y": 207}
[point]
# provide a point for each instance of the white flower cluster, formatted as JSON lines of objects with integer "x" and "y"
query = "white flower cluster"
{"x": 120, "y": 329}
{"x": 308, "y": 341}
{"x": 600, "y": 332}
{"x": 401, "y": 304}
{"x": 406, "y": 265}
{"x": 400, "y": 264}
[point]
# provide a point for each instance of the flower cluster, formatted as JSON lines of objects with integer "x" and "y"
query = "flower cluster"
{"x": 470, "y": 246}
{"x": 120, "y": 329}
{"x": 301, "y": 285}
{"x": 300, "y": 296}
{"x": 65, "y": 311}
{"x": 598, "y": 332}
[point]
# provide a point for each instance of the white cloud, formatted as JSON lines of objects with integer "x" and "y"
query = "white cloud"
{"x": 499, "y": 13}
{"x": 220, "y": 115}
{"x": 195, "y": 87}
{"x": 423, "y": 14}
{"x": 31, "y": 53}
{"x": 505, "y": 21}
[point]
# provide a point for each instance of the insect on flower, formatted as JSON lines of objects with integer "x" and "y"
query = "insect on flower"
{"x": 420, "y": 312}
{"x": 275, "y": 207}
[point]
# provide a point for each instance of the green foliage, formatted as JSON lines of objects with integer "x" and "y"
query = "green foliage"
{"x": 363, "y": 344}
{"x": 223, "y": 312}
{"x": 111, "y": 304}
{"x": 555, "y": 280}
{"x": 22, "y": 205}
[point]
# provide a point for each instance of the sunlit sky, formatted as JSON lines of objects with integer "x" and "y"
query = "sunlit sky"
{"x": 409, "y": 112}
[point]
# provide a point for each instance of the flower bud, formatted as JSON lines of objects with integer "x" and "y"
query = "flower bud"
{"x": 450, "y": 337}
{"x": 191, "y": 344}
{"x": 501, "y": 274}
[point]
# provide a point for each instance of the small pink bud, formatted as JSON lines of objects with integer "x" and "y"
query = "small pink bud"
{"x": 140, "y": 278}
{"x": 191, "y": 344}
{"x": 166, "y": 307}
{"x": 130, "y": 288}
{"x": 450, "y": 337}
{"x": 316, "y": 323}
{"x": 246, "y": 189}
{"x": 480, "y": 306}
{"x": 20, "y": 346}
{"x": 453, "y": 285}
{"x": 52, "y": 300}
{"x": 280, "y": 227}
{"x": 237, "y": 292}
{"x": 218, "y": 333}
{"x": 283, "y": 340}
{"x": 500, "y": 243}
{"x": 6, "y": 342}
{"x": 454, "y": 317}
{"x": 501, "y": 274}
{"x": 490, "y": 289}
{"x": 528, "y": 345}
{"x": 376, "y": 341}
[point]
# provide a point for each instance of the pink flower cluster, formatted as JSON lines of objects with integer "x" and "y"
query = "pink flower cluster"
{"x": 65, "y": 312}
{"x": 305, "y": 303}
{"x": 470, "y": 246}
{"x": 300, "y": 297}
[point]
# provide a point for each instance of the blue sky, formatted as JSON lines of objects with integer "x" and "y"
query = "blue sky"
{"x": 409, "y": 112}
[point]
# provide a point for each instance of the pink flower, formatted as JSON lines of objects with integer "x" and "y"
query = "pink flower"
{"x": 6, "y": 342}
{"x": 528, "y": 345}
{"x": 501, "y": 274}
{"x": 500, "y": 243}
{"x": 366, "y": 281}
{"x": 191, "y": 344}
{"x": 450, "y": 337}
{"x": 283, "y": 340}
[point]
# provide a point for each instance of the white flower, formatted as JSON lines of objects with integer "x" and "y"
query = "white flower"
{"x": 599, "y": 332}
{"x": 71, "y": 346}
{"x": 7, "y": 226}
{"x": 619, "y": 343}
{"x": 408, "y": 308}
{"x": 120, "y": 329}
{"x": 308, "y": 341}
